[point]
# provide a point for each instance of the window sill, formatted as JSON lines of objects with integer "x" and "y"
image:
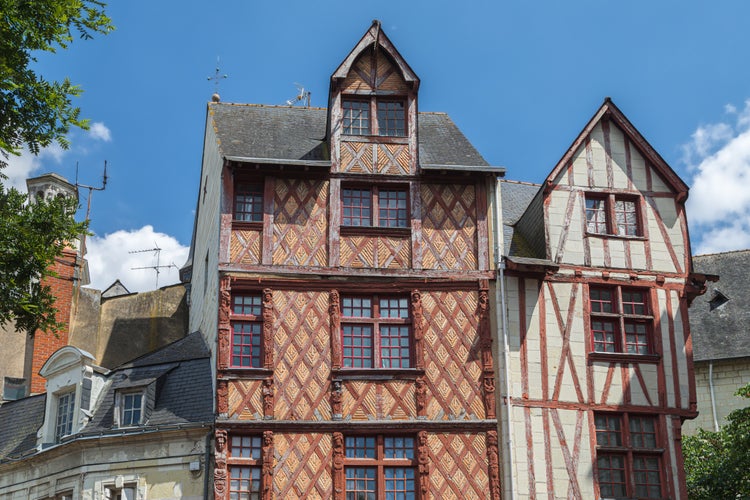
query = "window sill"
{"x": 616, "y": 236}
{"x": 374, "y": 231}
{"x": 377, "y": 373}
{"x": 245, "y": 373}
{"x": 376, "y": 139}
{"x": 623, "y": 357}
{"x": 247, "y": 225}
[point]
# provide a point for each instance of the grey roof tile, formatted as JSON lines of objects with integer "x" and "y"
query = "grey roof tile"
{"x": 19, "y": 422}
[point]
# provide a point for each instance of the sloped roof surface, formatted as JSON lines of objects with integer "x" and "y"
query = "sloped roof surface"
{"x": 295, "y": 133}
{"x": 516, "y": 197}
{"x": 19, "y": 422}
{"x": 722, "y": 332}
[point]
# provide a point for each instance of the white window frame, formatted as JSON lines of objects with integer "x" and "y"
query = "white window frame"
{"x": 122, "y": 397}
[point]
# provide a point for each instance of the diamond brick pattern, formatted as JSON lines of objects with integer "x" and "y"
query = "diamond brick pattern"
{"x": 459, "y": 466}
{"x": 449, "y": 226}
{"x": 302, "y": 342}
{"x": 356, "y": 157}
{"x": 300, "y": 224}
{"x": 452, "y": 356}
{"x": 245, "y": 247}
{"x": 303, "y": 466}
{"x": 245, "y": 400}
{"x": 365, "y": 400}
{"x": 380, "y": 252}
{"x": 393, "y": 159}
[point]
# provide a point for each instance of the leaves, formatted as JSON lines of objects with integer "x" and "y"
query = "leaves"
{"x": 31, "y": 237}
{"x": 718, "y": 463}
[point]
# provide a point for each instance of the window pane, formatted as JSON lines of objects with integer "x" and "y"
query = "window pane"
{"x": 357, "y": 346}
{"x": 647, "y": 477}
{"x": 356, "y": 307}
{"x": 398, "y": 447}
{"x": 248, "y": 202}
{"x": 596, "y": 221}
{"x": 604, "y": 336}
{"x": 608, "y": 430}
{"x": 357, "y": 207}
{"x": 247, "y": 304}
{"x": 392, "y": 208}
{"x": 642, "y": 432}
{"x": 636, "y": 338}
{"x": 65, "y": 405}
{"x": 634, "y": 302}
{"x": 360, "y": 483}
{"x": 602, "y": 300}
{"x": 360, "y": 446}
{"x": 391, "y": 118}
{"x": 131, "y": 409}
{"x": 611, "y": 475}
{"x": 626, "y": 217}
{"x": 356, "y": 117}
{"x": 244, "y": 482}
{"x": 246, "y": 338}
{"x": 246, "y": 446}
{"x": 399, "y": 483}
{"x": 394, "y": 307}
{"x": 394, "y": 346}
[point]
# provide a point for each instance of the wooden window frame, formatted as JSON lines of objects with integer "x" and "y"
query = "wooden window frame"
{"x": 245, "y": 458}
{"x": 375, "y": 207}
{"x": 122, "y": 397}
{"x": 609, "y": 212}
{"x": 64, "y": 421}
{"x": 622, "y": 316}
{"x": 240, "y": 317}
{"x": 622, "y": 444}
{"x": 374, "y": 127}
{"x": 253, "y": 188}
{"x": 377, "y": 323}
{"x": 380, "y": 463}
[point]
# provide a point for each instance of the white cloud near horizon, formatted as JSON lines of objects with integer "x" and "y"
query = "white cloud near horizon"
{"x": 718, "y": 158}
{"x": 28, "y": 165}
{"x": 99, "y": 131}
{"x": 110, "y": 259}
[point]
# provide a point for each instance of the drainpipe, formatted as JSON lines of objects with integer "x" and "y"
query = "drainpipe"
{"x": 711, "y": 391}
{"x": 501, "y": 319}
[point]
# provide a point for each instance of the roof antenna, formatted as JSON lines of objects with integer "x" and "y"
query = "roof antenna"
{"x": 88, "y": 214}
{"x": 216, "y": 78}
{"x": 157, "y": 267}
{"x": 302, "y": 95}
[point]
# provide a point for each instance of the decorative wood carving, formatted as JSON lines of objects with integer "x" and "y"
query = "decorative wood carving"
{"x": 222, "y": 399}
{"x": 485, "y": 337}
{"x": 220, "y": 437}
{"x": 225, "y": 309}
{"x": 268, "y": 392}
{"x": 334, "y": 310}
{"x": 489, "y": 394}
{"x": 338, "y": 466}
{"x": 220, "y": 471}
{"x": 268, "y": 328}
{"x": 420, "y": 393}
{"x": 220, "y": 483}
{"x": 267, "y": 454}
{"x": 423, "y": 459}
{"x": 493, "y": 461}
{"x": 337, "y": 392}
{"x": 418, "y": 328}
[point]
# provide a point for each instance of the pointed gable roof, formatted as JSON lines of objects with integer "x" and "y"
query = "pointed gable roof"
{"x": 375, "y": 36}
{"x": 608, "y": 111}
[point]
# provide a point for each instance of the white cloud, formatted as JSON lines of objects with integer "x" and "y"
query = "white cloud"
{"x": 99, "y": 131}
{"x": 27, "y": 165}
{"x": 719, "y": 203}
{"x": 110, "y": 259}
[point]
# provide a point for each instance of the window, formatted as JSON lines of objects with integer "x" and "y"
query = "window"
{"x": 390, "y": 117}
{"x": 613, "y": 215}
{"x": 245, "y": 479}
{"x": 375, "y": 332}
{"x": 247, "y": 331}
{"x": 65, "y": 407}
{"x": 248, "y": 202}
{"x": 380, "y": 467}
{"x": 126, "y": 493}
{"x": 374, "y": 207}
{"x": 620, "y": 320}
{"x": 628, "y": 456}
{"x": 131, "y": 409}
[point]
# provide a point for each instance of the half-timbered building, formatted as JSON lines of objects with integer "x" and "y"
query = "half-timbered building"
{"x": 340, "y": 270}
{"x": 597, "y": 283}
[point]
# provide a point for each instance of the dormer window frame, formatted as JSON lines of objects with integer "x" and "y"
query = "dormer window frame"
{"x": 379, "y": 120}
{"x": 65, "y": 412}
{"x": 125, "y": 410}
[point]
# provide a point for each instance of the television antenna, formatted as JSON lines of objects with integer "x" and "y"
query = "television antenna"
{"x": 88, "y": 214}
{"x": 157, "y": 268}
{"x": 302, "y": 95}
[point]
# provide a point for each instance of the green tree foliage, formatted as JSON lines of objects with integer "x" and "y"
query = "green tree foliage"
{"x": 31, "y": 237}
{"x": 35, "y": 112}
{"x": 718, "y": 463}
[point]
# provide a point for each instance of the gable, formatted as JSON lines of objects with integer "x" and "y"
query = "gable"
{"x": 373, "y": 71}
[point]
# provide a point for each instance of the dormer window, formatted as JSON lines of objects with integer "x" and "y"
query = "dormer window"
{"x": 65, "y": 407}
{"x": 389, "y": 114}
{"x": 131, "y": 409}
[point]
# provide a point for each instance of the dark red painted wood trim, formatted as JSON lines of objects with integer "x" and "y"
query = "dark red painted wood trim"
{"x": 269, "y": 191}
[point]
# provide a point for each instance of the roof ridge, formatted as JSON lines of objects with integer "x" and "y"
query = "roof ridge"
{"x": 258, "y": 105}
{"x": 722, "y": 253}
{"x": 525, "y": 183}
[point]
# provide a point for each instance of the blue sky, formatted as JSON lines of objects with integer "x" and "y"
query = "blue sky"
{"x": 520, "y": 79}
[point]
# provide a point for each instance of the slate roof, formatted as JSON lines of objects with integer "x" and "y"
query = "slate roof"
{"x": 724, "y": 331}
{"x": 182, "y": 395}
{"x": 295, "y": 133}
{"x": 518, "y": 236}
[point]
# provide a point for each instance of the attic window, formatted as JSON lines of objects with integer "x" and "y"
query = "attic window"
{"x": 131, "y": 409}
{"x": 65, "y": 407}
{"x": 718, "y": 300}
{"x": 383, "y": 117}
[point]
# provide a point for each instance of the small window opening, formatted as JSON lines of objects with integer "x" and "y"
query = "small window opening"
{"x": 718, "y": 300}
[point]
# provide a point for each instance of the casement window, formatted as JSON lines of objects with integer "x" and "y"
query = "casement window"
{"x": 131, "y": 408}
{"x": 248, "y": 202}
{"x": 374, "y": 207}
{"x": 374, "y": 116}
{"x": 65, "y": 408}
{"x": 376, "y": 332}
{"x": 380, "y": 467}
{"x": 245, "y": 467}
{"x": 621, "y": 320}
{"x": 611, "y": 214}
{"x": 628, "y": 456}
{"x": 124, "y": 493}
{"x": 247, "y": 331}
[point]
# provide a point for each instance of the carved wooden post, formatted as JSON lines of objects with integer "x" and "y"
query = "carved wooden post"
{"x": 418, "y": 328}
{"x": 423, "y": 459}
{"x": 224, "y": 333}
{"x": 267, "y": 472}
{"x": 268, "y": 329}
{"x": 334, "y": 311}
{"x": 493, "y": 461}
{"x": 485, "y": 336}
{"x": 420, "y": 395}
{"x": 338, "y": 466}
{"x": 268, "y": 399}
{"x": 220, "y": 471}
{"x": 337, "y": 392}
{"x": 488, "y": 387}
{"x": 222, "y": 398}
